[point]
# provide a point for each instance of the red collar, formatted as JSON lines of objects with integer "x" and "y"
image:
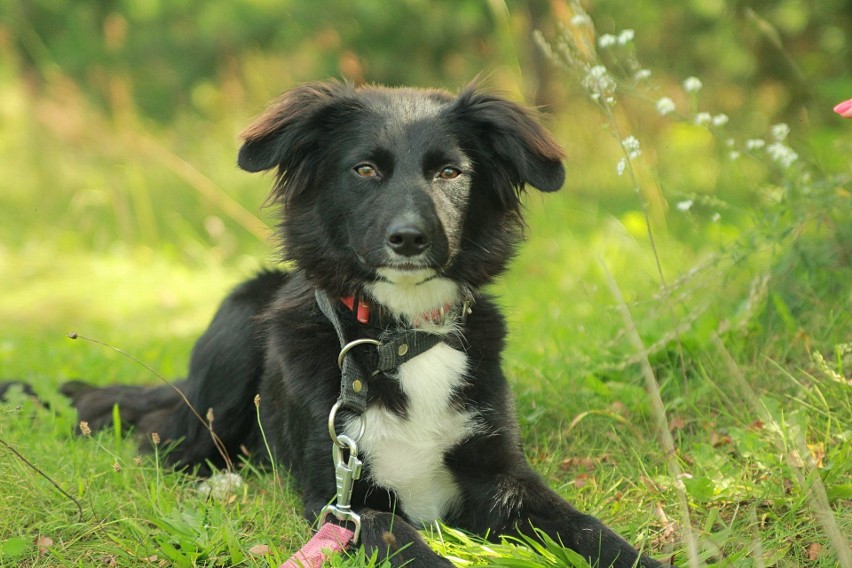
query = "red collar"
{"x": 362, "y": 313}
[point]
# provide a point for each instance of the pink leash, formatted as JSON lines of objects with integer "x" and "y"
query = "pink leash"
{"x": 330, "y": 539}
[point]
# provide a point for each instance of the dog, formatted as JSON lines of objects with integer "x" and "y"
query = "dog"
{"x": 398, "y": 206}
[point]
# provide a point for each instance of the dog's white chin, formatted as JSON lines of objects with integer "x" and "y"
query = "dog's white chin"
{"x": 409, "y": 294}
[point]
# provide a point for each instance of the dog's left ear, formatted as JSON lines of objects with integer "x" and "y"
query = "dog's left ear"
{"x": 525, "y": 150}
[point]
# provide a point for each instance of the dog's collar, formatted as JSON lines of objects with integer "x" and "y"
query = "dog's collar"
{"x": 378, "y": 316}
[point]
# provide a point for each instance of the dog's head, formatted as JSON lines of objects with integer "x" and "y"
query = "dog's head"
{"x": 411, "y": 196}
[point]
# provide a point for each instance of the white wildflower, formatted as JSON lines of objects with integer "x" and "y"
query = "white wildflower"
{"x": 755, "y": 144}
{"x": 626, "y": 36}
{"x": 730, "y": 142}
{"x": 581, "y": 20}
{"x": 599, "y": 82}
{"x": 703, "y": 118}
{"x": 642, "y": 74}
{"x": 780, "y": 132}
{"x": 720, "y": 120}
{"x": 734, "y": 155}
{"x": 692, "y": 84}
{"x": 716, "y": 216}
{"x": 665, "y": 106}
{"x": 621, "y": 166}
{"x": 782, "y": 154}
{"x": 631, "y": 146}
{"x": 607, "y": 40}
{"x": 684, "y": 205}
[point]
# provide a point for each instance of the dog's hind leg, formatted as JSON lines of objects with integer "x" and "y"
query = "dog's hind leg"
{"x": 136, "y": 404}
{"x": 215, "y": 418}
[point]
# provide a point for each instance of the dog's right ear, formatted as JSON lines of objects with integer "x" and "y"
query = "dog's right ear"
{"x": 281, "y": 130}
{"x": 290, "y": 129}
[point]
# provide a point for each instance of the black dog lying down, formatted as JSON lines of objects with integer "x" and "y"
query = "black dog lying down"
{"x": 398, "y": 206}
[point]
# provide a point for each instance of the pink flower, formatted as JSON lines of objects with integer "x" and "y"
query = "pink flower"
{"x": 844, "y": 109}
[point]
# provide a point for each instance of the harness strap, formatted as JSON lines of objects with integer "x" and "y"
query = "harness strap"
{"x": 394, "y": 348}
{"x": 353, "y": 386}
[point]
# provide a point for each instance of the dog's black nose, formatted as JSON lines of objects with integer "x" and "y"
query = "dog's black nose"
{"x": 407, "y": 239}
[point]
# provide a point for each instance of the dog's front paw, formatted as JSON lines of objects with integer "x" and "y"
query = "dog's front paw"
{"x": 397, "y": 541}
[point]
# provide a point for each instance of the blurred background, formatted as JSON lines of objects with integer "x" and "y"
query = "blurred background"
{"x": 122, "y": 211}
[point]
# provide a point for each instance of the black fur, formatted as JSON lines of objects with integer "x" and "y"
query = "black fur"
{"x": 375, "y": 184}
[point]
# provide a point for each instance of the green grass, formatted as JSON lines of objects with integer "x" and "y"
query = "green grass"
{"x": 586, "y": 418}
{"x": 742, "y": 330}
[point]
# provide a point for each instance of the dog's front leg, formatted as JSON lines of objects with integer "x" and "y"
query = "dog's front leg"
{"x": 520, "y": 502}
{"x": 392, "y": 538}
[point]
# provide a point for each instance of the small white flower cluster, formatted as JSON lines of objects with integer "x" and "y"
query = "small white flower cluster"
{"x": 703, "y": 118}
{"x": 779, "y": 132}
{"x": 692, "y": 84}
{"x": 623, "y": 38}
{"x": 600, "y": 84}
{"x": 779, "y": 152}
{"x": 632, "y": 148}
{"x": 782, "y": 154}
{"x": 707, "y": 119}
{"x": 581, "y": 20}
{"x": 733, "y": 153}
{"x": 684, "y": 205}
{"x": 665, "y": 106}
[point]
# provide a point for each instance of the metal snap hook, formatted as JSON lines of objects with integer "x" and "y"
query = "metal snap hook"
{"x": 341, "y": 441}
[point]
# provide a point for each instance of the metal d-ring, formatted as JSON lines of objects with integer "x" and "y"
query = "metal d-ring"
{"x": 346, "y": 348}
{"x": 332, "y": 431}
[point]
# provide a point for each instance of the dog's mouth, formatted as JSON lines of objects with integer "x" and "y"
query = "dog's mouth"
{"x": 407, "y": 274}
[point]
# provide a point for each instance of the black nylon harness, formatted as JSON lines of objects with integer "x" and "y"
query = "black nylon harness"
{"x": 394, "y": 347}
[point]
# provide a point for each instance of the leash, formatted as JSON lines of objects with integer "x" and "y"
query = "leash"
{"x": 330, "y": 538}
{"x": 392, "y": 350}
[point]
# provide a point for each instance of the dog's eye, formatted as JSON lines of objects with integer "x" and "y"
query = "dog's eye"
{"x": 366, "y": 171}
{"x": 449, "y": 173}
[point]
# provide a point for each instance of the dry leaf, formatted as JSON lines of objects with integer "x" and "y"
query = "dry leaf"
{"x": 579, "y": 462}
{"x": 676, "y": 423}
{"x": 580, "y": 480}
{"x": 649, "y": 484}
{"x": 43, "y": 543}
{"x": 717, "y": 440}
{"x": 259, "y": 550}
{"x": 814, "y": 551}
{"x": 817, "y": 453}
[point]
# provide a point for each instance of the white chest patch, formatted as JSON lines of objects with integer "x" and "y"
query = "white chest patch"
{"x": 406, "y": 455}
